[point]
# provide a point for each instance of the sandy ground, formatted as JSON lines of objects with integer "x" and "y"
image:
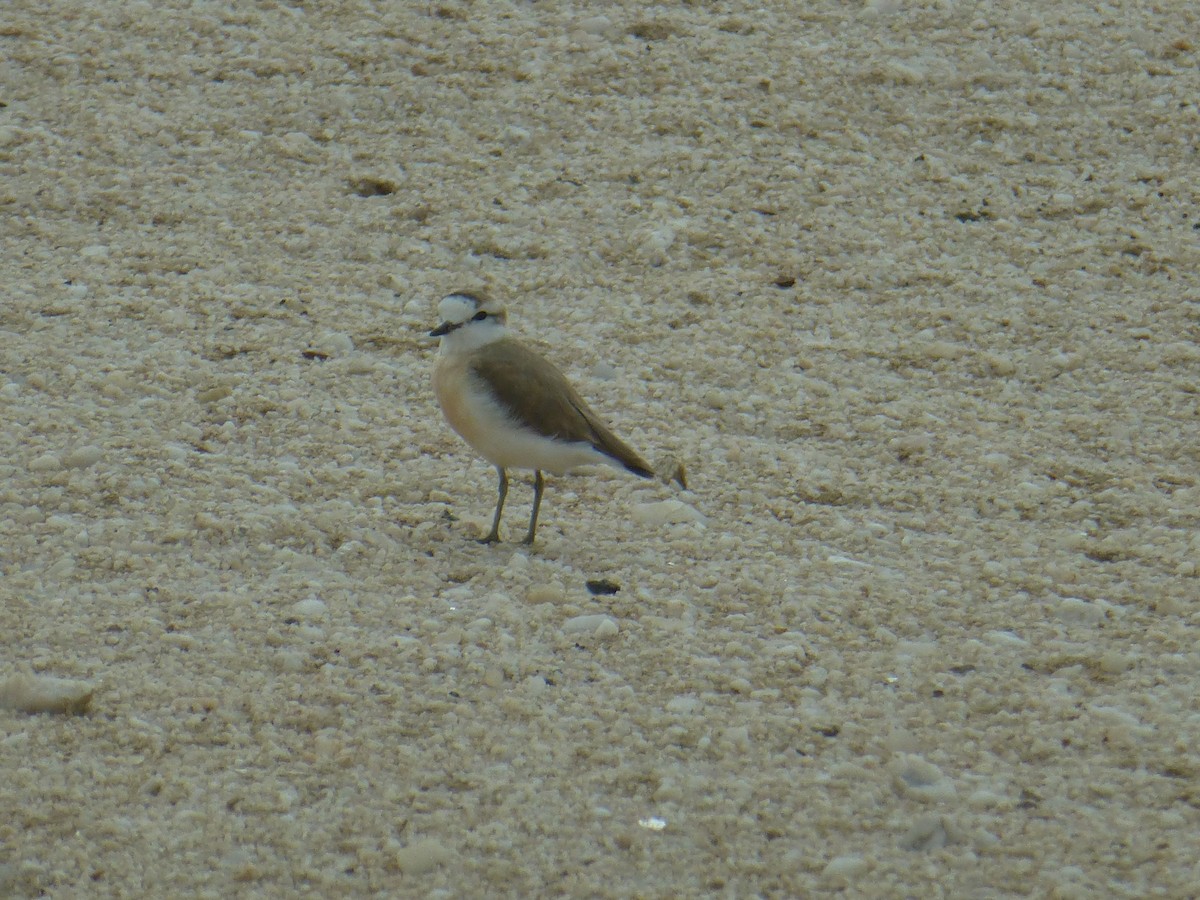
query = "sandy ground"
{"x": 911, "y": 288}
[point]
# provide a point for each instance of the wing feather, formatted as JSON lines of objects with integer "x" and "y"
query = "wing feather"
{"x": 538, "y": 396}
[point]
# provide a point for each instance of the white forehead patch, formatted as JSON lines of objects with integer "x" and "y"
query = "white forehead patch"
{"x": 457, "y": 308}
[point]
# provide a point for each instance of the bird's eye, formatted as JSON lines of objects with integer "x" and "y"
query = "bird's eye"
{"x": 479, "y": 316}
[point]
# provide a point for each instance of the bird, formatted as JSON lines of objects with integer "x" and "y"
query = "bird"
{"x": 514, "y": 406}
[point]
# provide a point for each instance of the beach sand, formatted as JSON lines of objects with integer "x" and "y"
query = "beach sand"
{"x": 912, "y": 291}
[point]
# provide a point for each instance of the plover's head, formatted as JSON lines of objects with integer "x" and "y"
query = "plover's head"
{"x": 469, "y": 321}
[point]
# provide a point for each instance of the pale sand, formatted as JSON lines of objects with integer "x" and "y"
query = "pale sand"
{"x": 936, "y": 634}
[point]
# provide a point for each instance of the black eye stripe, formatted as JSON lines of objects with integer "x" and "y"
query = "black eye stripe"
{"x": 479, "y": 316}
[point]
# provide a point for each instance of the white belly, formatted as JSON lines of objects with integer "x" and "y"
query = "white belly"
{"x": 485, "y": 425}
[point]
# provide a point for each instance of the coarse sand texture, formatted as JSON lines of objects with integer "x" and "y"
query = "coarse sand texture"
{"x": 912, "y": 291}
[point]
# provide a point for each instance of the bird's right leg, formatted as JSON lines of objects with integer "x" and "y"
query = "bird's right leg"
{"x": 493, "y": 536}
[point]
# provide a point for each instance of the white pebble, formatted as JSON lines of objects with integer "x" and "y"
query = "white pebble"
{"x": 359, "y": 364}
{"x": 310, "y": 608}
{"x": 1114, "y": 715}
{"x": 666, "y": 512}
{"x": 999, "y": 365}
{"x": 544, "y": 593}
{"x": 604, "y": 371}
{"x": 291, "y": 661}
{"x": 600, "y": 26}
{"x": 1006, "y": 638}
{"x": 939, "y": 350}
{"x": 985, "y": 799}
{"x": 45, "y": 694}
{"x": 684, "y": 703}
{"x": 82, "y": 457}
{"x": 515, "y": 134}
{"x": 606, "y": 629}
{"x": 423, "y": 856}
{"x": 334, "y": 342}
{"x": 996, "y": 462}
{"x": 845, "y": 866}
{"x": 920, "y": 779}
{"x": 926, "y": 833}
{"x": 1075, "y": 611}
{"x": 738, "y": 736}
{"x": 600, "y": 626}
{"x": 47, "y": 462}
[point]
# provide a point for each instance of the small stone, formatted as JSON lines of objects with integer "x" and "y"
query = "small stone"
{"x": 310, "y": 608}
{"x": 598, "y": 25}
{"x": 666, "y": 512}
{"x": 599, "y": 626}
{"x": 604, "y": 371}
{"x": 926, "y": 833}
{"x": 82, "y": 457}
{"x": 606, "y": 630}
{"x": 334, "y": 343}
{"x": 911, "y": 445}
{"x": 359, "y": 364}
{"x": 47, "y": 462}
{"x": 423, "y": 856}
{"x": 684, "y": 704}
{"x": 918, "y": 779}
{"x": 985, "y": 799}
{"x": 45, "y": 694}
{"x": 939, "y": 350}
{"x": 999, "y": 365}
{"x": 291, "y": 661}
{"x": 214, "y": 394}
{"x": 544, "y": 593}
{"x": 844, "y": 867}
{"x": 1006, "y": 638}
{"x": 1072, "y": 610}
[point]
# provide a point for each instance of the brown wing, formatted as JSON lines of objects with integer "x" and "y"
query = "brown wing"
{"x": 539, "y": 397}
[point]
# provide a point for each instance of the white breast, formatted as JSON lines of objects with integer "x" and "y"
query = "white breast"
{"x": 485, "y": 425}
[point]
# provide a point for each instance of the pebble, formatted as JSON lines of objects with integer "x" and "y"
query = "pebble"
{"x": 82, "y": 457}
{"x": 919, "y": 779}
{"x": 544, "y": 593}
{"x": 685, "y": 703}
{"x": 1080, "y": 612}
{"x": 47, "y": 462}
{"x": 46, "y": 694}
{"x": 291, "y": 661}
{"x": 666, "y": 512}
{"x": 598, "y": 25}
{"x": 599, "y": 626}
{"x": 310, "y": 608}
{"x": 842, "y": 867}
{"x": 334, "y": 343}
{"x": 421, "y": 857}
{"x": 927, "y": 832}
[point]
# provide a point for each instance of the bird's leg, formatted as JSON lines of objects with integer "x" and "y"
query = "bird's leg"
{"x": 493, "y": 536}
{"x": 539, "y": 484}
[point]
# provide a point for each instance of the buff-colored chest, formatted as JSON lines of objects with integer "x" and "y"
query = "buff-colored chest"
{"x": 459, "y": 401}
